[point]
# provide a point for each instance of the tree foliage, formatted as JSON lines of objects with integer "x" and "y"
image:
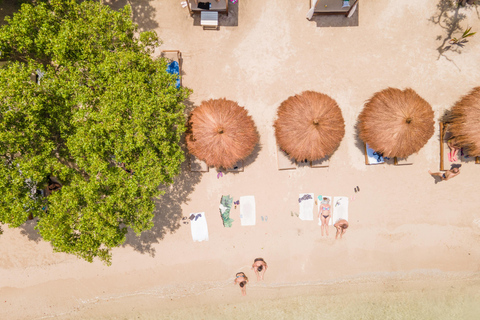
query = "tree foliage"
{"x": 104, "y": 118}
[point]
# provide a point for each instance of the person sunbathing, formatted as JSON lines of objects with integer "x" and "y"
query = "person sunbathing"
{"x": 259, "y": 266}
{"x": 242, "y": 281}
{"x": 324, "y": 214}
{"x": 341, "y": 226}
{"x": 449, "y": 174}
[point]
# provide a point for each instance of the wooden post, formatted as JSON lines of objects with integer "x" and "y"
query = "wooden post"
{"x": 395, "y": 161}
{"x": 477, "y": 160}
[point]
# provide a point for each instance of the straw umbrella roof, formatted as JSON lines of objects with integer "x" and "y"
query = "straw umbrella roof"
{"x": 465, "y": 125}
{"x": 309, "y": 126}
{"x": 221, "y": 133}
{"x": 396, "y": 123}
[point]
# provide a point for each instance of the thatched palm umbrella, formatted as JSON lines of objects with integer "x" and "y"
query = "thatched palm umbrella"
{"x": 309, "y": 126}
{"x": 465, "y": 122}
{"x": 396, "y": 123}
{"x": 221, "y": 133}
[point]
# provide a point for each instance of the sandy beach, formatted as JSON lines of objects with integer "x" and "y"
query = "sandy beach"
{"x": 412, "y": 245}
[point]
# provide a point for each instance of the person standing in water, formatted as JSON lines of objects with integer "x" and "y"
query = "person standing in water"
{"x": 242, "y": 281}
{"x": 259, "y": 266}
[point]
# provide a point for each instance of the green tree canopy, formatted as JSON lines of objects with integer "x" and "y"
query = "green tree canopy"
{"x": 104, "y": 118}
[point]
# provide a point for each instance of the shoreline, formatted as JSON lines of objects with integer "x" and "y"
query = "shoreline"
{"x": 400, "y": 287}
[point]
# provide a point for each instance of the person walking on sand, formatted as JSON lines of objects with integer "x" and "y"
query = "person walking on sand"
{"x": 341, "y": 226}
{"x": 324, "y": 214}
{"x": 259, "y": 266}
{"x": 449, "y": 174}
{"x": 242, "y": 281}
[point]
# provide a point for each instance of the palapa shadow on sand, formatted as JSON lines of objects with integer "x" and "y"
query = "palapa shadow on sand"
{"x": 327, "y": 21}
{"x": 223, "y": 20}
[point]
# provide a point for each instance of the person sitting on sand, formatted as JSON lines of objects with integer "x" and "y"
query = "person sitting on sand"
{"x": 449, "y": 174}
{"x": 324, "y": 214}
{"x": 242, "y": 280}
{"x": 452, "y": 144}
{"x": 259, "y": 266}
{"x": 341, "y": 226}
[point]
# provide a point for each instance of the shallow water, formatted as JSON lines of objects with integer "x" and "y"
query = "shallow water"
{"x": 426, "y": 298}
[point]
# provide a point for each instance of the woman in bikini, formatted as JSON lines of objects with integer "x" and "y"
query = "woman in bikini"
{"x": 324, "y": 214}
{"x": 452, "y": 144}
{"x": 242, "y": 280}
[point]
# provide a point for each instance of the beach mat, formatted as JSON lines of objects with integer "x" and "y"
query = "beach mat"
{"x": 247, "y": 211}
{"x": 199, "y": 227}
{"x": 319, "y": 200}
{"x": 306, "y": 206}
{"x": 340, "y": 208}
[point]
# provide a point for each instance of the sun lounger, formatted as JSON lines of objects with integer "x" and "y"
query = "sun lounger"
{"x": 220, "y": 6}
{"x": 322, "y": 163}
{"x": 284, "y": 162}
{"x": 332, "y": 7}
{"x": 238, "y": 167}
{"x": 247, "y": 211}
{"x": 319, "y": 203}
{"x": 209, "y": 19}
{"x": 371, "y": 157}
{"x": 197, "y": 165}
{"x": 340, "y": 208}
{"x": 174, "y": 65}
{"x": 306, "y": 203}
{"x": 198, "y": 224}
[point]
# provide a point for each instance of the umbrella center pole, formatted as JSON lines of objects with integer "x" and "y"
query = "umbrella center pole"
{"x": 220, "y": 130}
{"x": 409, "y": 120}
{"x": 315, "y": 122}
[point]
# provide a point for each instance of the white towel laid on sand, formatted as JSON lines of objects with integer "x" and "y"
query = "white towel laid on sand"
{"x": 247, "y": 211}
{"x": 306, "y": 206}
{"x": 199, "y": 227}
{"x": 373, "y": 157}
{"x": 340, "y": 208}
{"x": 319, "y": 203}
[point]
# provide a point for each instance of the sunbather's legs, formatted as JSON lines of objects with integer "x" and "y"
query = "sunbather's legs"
{"x": 438, "y": 174}
{"x": 323, "y": 224}
{"x": 326, "y": 224}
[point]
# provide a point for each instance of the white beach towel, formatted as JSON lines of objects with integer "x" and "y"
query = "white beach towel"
{"x": 319, "y": 203}
{"x": 306, "y": 206}
{"x": 340, "y": 208}
{"x": 247, "y": 211}
{"x": 373, "y": 157}
{"x": 312, "y": 10}
{"x": 199, "y": 227}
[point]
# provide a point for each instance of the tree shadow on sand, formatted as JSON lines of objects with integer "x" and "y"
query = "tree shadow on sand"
{"x": 143, "y": 13}
{"x": 449, "y": 15}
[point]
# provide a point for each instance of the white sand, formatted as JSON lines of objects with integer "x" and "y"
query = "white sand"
{"x": 401, "y": 222}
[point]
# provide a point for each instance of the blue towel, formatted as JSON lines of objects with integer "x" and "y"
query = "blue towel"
{"x": 174, "y": 68}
